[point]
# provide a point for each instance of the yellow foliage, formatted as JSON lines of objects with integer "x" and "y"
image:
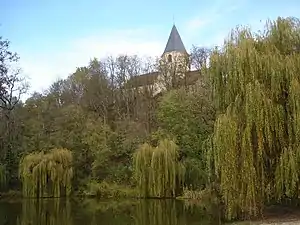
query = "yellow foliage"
{"x": 255, "y": 153}
{"x": 47, "y": 174}
{"x": 157, "y": 170}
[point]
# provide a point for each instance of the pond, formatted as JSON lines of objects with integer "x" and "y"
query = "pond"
{"x": 92, "y": 212}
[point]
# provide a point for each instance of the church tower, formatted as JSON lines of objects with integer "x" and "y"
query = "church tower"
{"x": 174, "y": 62}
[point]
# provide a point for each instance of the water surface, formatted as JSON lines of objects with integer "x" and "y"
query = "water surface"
{"x": 92, "y": 212}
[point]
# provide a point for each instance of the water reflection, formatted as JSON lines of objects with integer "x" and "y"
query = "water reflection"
{"x": 92, "y": 212}
{"x": 46, "y": 212}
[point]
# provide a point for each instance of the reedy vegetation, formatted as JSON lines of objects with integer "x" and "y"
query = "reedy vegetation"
{"x": 238, "y": 131}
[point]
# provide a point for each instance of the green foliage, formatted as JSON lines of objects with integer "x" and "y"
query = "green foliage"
{"x": 97, "y": 136}
{"x": 255, "y": 144}
{"x": 157, "y": 170}
{"x": 189, "y": 116}
{"x": 142, "y": 162}
{"x": 196, "y": 177}
{"x": 110, "y": 190}
{"x": 47, "y": 174}
{"x": 111, "y": 152}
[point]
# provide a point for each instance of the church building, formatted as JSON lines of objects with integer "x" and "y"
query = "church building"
{"x": 174, "y": 68}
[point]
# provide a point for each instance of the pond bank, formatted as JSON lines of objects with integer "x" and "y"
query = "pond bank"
{"x": 276, "y": 215}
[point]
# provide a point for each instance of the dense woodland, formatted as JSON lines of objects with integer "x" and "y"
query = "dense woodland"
{"x": 237, "y": 133}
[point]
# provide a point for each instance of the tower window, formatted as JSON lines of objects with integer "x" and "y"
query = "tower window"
{"x": 169, "y": 58}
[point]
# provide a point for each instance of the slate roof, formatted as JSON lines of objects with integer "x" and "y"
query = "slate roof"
{"x": 174, "y": 42}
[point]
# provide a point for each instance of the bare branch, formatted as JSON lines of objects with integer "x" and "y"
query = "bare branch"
{"x": 199, "y": 57}
{"x": 12, "y": 85}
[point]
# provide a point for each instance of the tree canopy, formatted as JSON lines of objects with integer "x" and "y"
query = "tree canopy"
{"x": 255, "y": 141}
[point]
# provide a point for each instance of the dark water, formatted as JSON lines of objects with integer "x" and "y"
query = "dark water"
{"x": 92, "y": 212}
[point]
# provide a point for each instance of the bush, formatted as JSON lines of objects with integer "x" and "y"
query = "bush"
{"x": 110, "y": 190}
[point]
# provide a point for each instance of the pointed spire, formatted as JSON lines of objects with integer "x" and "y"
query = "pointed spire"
{"x": 174, "y": 42}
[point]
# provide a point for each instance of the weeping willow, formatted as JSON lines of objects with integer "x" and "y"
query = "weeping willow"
{"x": 157, "y": 170}
{"x": 256, "y": 143}
{"x": 47, "y": 174}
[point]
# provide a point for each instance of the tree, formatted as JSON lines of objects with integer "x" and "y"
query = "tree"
{"x": 189, "y": 117}
{"x": 255, "y": 152}
{"x": 199, "y": 57}
{"x": 47, "y": 175}
{"x": 12, "y": 86}
{"x": 158, "y": 171}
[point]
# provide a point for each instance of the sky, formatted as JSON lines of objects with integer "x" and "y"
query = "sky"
{"x": 54, "y": 37}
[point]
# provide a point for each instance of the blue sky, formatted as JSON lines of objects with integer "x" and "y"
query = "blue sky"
{"x": 54, "y": 37}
